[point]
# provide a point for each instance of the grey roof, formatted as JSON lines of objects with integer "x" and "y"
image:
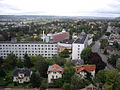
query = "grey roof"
{"x": 26, "y": 42}
{"x": 81, "y": 39}
{"x": 25, "y": 71}
{"x": 67, "y": 41}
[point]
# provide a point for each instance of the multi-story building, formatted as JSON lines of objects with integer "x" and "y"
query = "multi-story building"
{"x": 78, "y": 45}
{"x": 31, "y": 48}
{"x": 46, "y": 49}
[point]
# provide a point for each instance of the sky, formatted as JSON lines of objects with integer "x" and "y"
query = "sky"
{"x": 100, "y": 8}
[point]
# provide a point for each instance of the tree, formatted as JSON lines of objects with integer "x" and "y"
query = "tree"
{"x": 35, "y": 80}
{"x": 42, "y": 66}
{"x": 1, "y": 61}
{"x": 44, "y": 84}
{"x": 59, "y": 60}
{"x": 50, "y": 61}
{"x": 97, "y": 60}
{"x": 113, "y": 59}
{"x": 10, "y": 62}
{"x": 66, "y": 86}
{"x": 101, "y": 76}
{"x": 86, "y": 53}
{"x": 116, "y": 45}
{"x": 27, "y": 63}
{"x": 2, "y": 72}
{"x": 58, "y": 82}
{"x": 64, "y": 53}
{"x": 20, "y": 63}
{"x": 76, "y": 82}
{"x": 68, "y": 73}
{"x": 103, "y": 43}
{"x": 109, "y": 79}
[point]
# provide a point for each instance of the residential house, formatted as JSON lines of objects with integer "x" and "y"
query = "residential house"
{"x": 84, "y": 69}
{"x": 54, "y": 72}
{"x": 90, "y": 87}
{"x": 22, "y": 75}
{"x": 109, "y": 49}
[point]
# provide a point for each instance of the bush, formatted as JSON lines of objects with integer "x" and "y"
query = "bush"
{"x": 66, "y": 86}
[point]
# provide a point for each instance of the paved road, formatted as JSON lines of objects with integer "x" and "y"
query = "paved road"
{"x": 96, "y": 48}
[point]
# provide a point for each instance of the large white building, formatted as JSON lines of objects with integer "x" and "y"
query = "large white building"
{"x": 46, "y": 49}
{"x": 78, "y": 45}
{"x": 31, "y": 48}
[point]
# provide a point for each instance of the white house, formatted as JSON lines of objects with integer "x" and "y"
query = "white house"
{"x": 22, "y": 75}
{"x": 54, "y": 72}
{"x": 84, "y": 69}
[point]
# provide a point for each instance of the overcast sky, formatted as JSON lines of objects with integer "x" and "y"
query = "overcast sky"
{"x": 102, "y": 8}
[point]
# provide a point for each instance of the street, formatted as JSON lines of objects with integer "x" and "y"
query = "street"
{"x": 96, "y": 48}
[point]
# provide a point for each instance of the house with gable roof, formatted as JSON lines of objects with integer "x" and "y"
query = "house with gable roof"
{"x": 54, "y": 72}
{"x": 22, "y": 75}
{"x": 84, "y": 69}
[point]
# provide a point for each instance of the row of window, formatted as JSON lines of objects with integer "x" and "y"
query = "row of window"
{"x": 29, "y": 51}
{"x": 29, "y": 45}
{"x": 32, "y": 48}
{"x": 21, "y": 55}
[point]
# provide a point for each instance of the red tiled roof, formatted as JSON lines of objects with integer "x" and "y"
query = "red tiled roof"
{"x": 55, "y": 68}
{"x": 88, "y": 68}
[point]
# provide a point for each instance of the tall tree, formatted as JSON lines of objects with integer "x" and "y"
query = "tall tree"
{"x": 2, "y": 72}
{"x": 35, "y": 80}
{"x": 10, "y": 61}
{"x": 109, "y": 79}
{"x": 103, "y": 43}
{"x": 64, "y": 53}
{"x": 1, "y": 61}
{"x": 27, "y": 63}
{"x": 20, "y": 63}
{"x": 86, "y": 53}
{"x": 42, "y": 66}
{"x": 68, "y": 73}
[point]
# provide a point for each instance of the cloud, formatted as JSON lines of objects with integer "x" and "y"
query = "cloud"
{"x": 61, "y": 7}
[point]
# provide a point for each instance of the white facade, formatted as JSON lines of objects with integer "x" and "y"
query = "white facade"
{"x": 21, "y": 78}
{"x": 90, "y": 41}
{"x": 53, "y": 76}
{"x": 83, "y": 74}
{"x": 76, "y": 51}
{"x": 77, "y": 48}
{"x": 32, "y": 49}
{"x": 65, "y": 45}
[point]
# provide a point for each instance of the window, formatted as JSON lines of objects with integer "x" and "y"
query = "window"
{"x": 54, "y": 72}
{"x": 52, "y": 77}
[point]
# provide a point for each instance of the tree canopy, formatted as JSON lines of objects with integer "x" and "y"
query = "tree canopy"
{"x": 86, "y": 53}
{"x": 110, "y": 79}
